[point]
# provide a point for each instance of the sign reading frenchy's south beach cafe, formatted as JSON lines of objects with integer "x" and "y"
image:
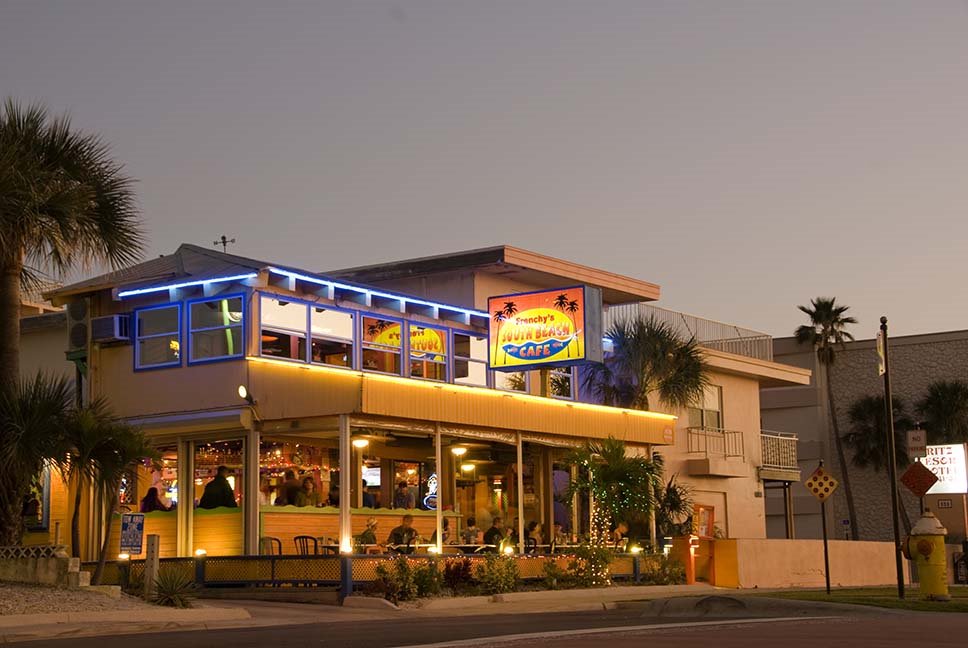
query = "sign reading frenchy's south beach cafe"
{"x": 558, "y": 327}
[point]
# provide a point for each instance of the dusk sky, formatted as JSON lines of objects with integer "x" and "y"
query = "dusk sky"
{"x": 746, "y": 156}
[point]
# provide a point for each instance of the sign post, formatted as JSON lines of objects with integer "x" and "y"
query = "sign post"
{"x": 885, "y": 369}
{"x": 822, "y": 486}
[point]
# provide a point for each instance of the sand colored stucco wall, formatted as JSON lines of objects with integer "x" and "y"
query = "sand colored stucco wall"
{"x": 43, "y": 350}
{"x": 739, "y": 511}
{"x": 764, "y": 563}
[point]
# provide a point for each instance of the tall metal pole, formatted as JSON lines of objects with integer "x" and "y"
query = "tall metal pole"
{"x": 892, "y": 459}
{"x": 826, "y": 553}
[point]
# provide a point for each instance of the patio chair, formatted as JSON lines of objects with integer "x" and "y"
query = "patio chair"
{"x": 304, "y": 543}
{"x": 269, "y": 546}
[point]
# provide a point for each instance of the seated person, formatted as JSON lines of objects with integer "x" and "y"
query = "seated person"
{"x": 218, "y": 492}
{"x": 152, "y": 502}
{"x": 468, "y": 534}
{"x": 532, "y": 532}
{"x": 445, "y": 524}
{"x": 369, "y": 501}
{"x": 403, "y": 535}
{"x": 495, "y": 535}
{"x": 307, "y": 495}
{"x": 368, "y": 535}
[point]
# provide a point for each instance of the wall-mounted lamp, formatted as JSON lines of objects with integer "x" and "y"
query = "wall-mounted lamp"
{"x": 245, "y": 395}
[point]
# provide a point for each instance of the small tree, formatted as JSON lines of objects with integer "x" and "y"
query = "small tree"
{"x": 32, "y": 419}
{"x": 123, "y": 451}
{"x": 621, "y": 485}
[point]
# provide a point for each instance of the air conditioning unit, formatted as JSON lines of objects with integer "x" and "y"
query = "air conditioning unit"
{"x": 111, "y": 328}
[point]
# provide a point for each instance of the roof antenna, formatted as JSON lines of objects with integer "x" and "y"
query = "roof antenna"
{"x": 224, "y": 242}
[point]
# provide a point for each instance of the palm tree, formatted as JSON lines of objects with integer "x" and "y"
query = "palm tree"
{"x": 31, "y": 432}
{"x": 561, "y": 303}
{"x": 89, "y": 435}
{"x": 120, "y": 456}
{"x": 63, "y": 202}
{"x": 647, "y": 358}
{"x": 944, "y": 411}
{"x": 622, "y": 486}
{"x": 500, "y": 316}
{"x": 867, "y": 437}
{"x": 826, "y": 331}
{"x": 572, "y": 309}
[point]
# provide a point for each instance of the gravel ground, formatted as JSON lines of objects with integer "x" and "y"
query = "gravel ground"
{"x": 16, "y": 598}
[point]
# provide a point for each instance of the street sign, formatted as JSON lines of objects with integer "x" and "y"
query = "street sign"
{"x": 918, "y": 479}
{"x": 132, "y": 532}
{"x": 821, "y": 484}
{"x": 881, "y": 367}
{"x": 917, "y": 444}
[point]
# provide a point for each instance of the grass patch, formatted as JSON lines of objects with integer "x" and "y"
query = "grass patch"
{"x": 881, "y": 597}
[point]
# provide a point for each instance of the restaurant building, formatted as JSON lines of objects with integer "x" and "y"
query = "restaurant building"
{"x": 380, "y": 384}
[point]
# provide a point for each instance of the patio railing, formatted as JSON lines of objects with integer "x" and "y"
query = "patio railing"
{"x": 779, "y": 450}
{"x": 715, "y": 442}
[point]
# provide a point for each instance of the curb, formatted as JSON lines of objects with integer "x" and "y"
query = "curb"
{"x": 368, "y": 603}
{"x": 193, "y": 615}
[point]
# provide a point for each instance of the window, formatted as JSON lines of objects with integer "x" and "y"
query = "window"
{"x": 158, "y": 334}
{"x": 511, "y": 381}
{"x": 428, "y": 353}
{"x": 215, "y": 328}
{"x": 283, "y": 330}
{"x": 381, "y": 345}
{"x": 470, "y": 359}
{"x": 709, "y": 411}
{"x": 562, "y": 383}
{"x": 332, "y": 336}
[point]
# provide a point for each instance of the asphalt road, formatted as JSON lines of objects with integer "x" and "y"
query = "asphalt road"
{"x": 880, "y": 631}
{"x": 367, "y": 634}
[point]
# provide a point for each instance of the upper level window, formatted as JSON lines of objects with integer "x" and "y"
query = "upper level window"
{"x": 708, "y": 411}
{"x": 332, "y": 336}
{"x": 563, "y": 383}
{"x": 216, "y": 328}
{"x": 158, "y": 337}
{"x": 470, "y": 359}
{"x": 283, "y": 329}
{"x": 428, "y": 353}
{"x": 381, "y": 345}
{"x": 511, "y": 380}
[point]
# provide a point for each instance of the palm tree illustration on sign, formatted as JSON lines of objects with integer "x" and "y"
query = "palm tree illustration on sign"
{"x": 561, "y": 303}
{"x": 500, "y": 316}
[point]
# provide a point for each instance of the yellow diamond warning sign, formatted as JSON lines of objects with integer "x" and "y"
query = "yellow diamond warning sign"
{"x": 821, "y": 484}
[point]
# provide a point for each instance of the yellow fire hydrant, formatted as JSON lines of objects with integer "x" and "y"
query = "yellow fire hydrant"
{"x": 925, "y": 546}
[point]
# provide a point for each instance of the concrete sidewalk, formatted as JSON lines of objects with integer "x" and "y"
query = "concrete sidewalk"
{"x": 26, "y": 627}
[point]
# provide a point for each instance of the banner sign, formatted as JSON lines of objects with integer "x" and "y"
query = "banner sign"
{"x": 425, "y": 342}
{"x": 550, "y": 328}
{"x": 132, "y": 532}
{"x": 947, "y": 462}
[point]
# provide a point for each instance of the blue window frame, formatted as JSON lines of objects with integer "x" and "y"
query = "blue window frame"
{"x": 429, "y": 352}
{"x": 216, "y": 328}
{"x": 516, "y": 381}
{"x": 382, "y": 344}
{"x": 158, "y": 337}
{"x": 469, "y": 350}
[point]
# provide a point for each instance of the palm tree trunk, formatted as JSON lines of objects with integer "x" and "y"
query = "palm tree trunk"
{"x": 10, "y": 325}
{"x": 76, "y": 521}
{"x": 841, "y": 456}
{"x": 103, "y": 555}
{"x": 11, "y": 521}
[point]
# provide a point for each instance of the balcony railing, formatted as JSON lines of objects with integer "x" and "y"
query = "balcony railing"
{"x": 715, "y": 442}
{"x": 779, "y": 450}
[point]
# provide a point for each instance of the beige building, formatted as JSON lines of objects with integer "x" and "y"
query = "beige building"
{"x": 374, "y": 384}
{"x": 916, "y": 362}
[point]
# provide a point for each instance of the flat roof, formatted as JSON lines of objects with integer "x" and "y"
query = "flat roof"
{"x": 526, "y": 266}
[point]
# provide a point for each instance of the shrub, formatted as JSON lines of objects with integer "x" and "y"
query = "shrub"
{"x": 396, "y": 580}
{"x": 556, "y": 577}
{"x": 173, "y": 589}
{"x": 589, "y": 566}
{"x": 458, "y": 573}
{"x": 497, "y": 574}
{"x": 661, "y": 570}
{"x": 427, "y": 578}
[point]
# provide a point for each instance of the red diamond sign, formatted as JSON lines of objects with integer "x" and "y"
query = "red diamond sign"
{"x": 918, "y": 479}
